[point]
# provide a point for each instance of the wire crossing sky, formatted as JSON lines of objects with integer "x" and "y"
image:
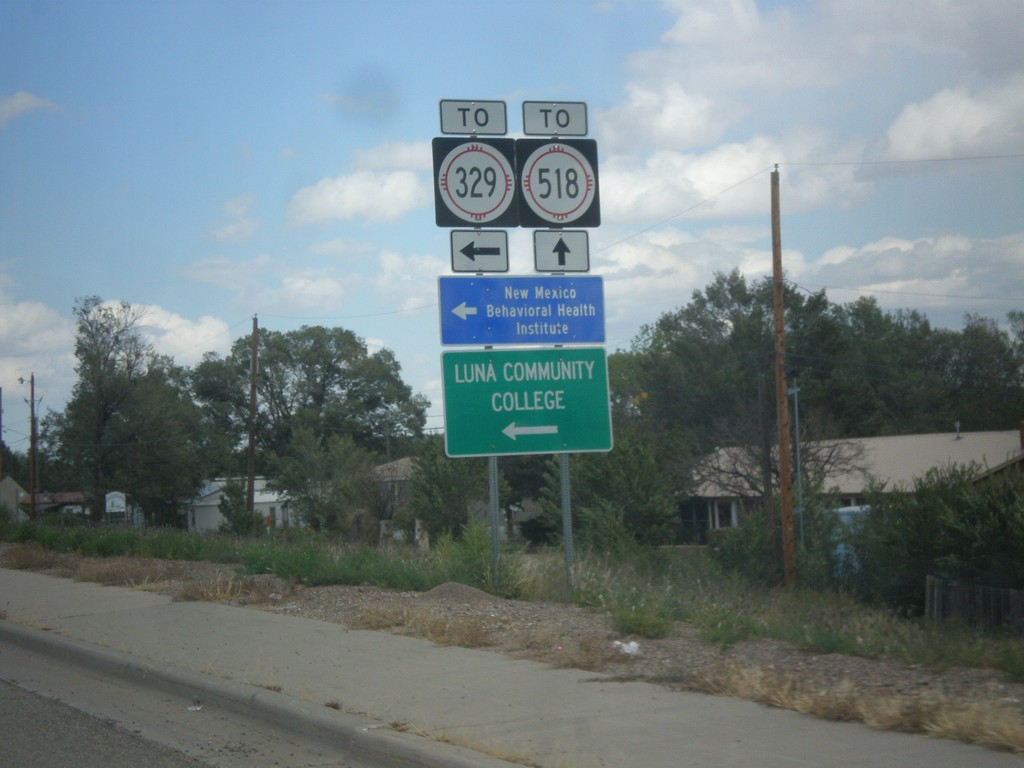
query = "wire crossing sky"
{"x": 212, "y": 160}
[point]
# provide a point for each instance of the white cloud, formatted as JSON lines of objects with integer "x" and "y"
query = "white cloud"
{"x": 984, "y": 34}
{"x": 376, "y": 197}
{"x": 29, "y": 328}
{"x": 670, "y": 117}
{"x": 21, "y": 103}
{"x": 408, "y": 282}
{"x": 945, "y": 276}
{"x": 727, "y": 181}
{"x": 34, "y": 339}
{"x": 312, "y": 290}
{"x": 957, "y": 123}
{"x": 240, "y": 227}
{"x": 184, "y": 340}
{"x": 395, "y": 155}
{"x": 231, "y": 274}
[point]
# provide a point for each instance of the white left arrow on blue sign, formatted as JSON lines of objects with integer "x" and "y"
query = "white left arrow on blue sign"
{"x": 463, "y": 311}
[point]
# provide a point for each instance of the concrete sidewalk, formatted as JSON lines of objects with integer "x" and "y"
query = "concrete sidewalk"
{"x": 491, "y": 705}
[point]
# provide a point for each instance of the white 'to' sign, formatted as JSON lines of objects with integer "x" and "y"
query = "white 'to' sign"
{"x": 474, "y": 117}
{"x": 562, "y": 118}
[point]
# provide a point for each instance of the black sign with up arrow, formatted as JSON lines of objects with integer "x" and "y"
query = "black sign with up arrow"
{"x": 561, "y": 250}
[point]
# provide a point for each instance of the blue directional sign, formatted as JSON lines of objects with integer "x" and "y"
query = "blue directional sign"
{"x": 522, "y": 310}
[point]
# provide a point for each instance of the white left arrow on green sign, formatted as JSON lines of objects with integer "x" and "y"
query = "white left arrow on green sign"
{"x": 526, "y": 401}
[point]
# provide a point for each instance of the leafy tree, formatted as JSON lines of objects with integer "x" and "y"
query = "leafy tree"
{"x": 986, "y": 376}
{"x": 218, "y": 387}
{"x": 238, "y": 520}
{"x": 699, "y": 379}
{"x": 331, "y": 485}
{"x": 323, "y": 380}
{"x": 444, "y": 488}
{"x": 618, "y": 499}
{"x": 129, "y": 424}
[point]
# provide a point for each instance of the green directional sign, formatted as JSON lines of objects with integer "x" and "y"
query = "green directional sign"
{"x": 523, "y": 401}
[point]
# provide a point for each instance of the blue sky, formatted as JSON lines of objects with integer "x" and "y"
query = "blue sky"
{"x": 213, "y": 160}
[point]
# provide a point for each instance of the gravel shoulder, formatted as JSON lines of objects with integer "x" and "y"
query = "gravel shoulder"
{"x": 881, "y": 692}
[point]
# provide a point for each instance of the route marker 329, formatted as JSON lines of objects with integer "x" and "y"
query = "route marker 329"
{"x": 475, "y": 182}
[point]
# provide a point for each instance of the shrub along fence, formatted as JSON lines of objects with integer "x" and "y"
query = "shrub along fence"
{"x": 978, "y": 606}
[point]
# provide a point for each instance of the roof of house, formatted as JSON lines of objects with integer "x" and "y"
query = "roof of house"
{"x": 399, "y": 469}
{"x": 898, "y": 461}
{"x": 895, "y": 461}
{"x": 210, "y": 493}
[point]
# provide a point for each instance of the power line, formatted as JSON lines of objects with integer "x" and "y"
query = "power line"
{"x": 910, "y": 161}
{"x": 807, "y": 286}
{"x": 693, "y": 207}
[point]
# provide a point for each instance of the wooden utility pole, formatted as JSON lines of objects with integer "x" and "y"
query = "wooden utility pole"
{"x": 250, "y": 492}
{"x": 781, "y": 393}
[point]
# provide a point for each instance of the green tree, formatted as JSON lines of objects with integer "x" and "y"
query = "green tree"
{"x": 700, "y": 378}
{"x": 323, "y": 380}
{"x": 238, "y": 520}
{"x": 218, "y": 386}
{"x": 443, "y": 489}
{"x": 129, "y": 424}
{"x": 329, "y": 485}
{"x": 986, "y": 376}
{"x": 618, "y": 499}
{"x": 947, "y": 525}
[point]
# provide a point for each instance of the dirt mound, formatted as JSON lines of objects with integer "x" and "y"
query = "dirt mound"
{"x": 462, "y": 593}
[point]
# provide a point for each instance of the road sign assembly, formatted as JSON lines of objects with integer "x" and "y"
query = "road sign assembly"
{"x": 526, "y": 401}
{"x": 543, "y": 396}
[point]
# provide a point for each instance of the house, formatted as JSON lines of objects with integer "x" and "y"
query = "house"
{"x": 11, "y": 497}
{"x": 395, "y": 480}
{"x": 727, "y": 479}
{"x": 53, "y": 504}
{"x": 204, "y": 511}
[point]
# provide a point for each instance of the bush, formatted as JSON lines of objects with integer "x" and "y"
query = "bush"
{"x": 471, "y": 561}
{"x": 946, "y": 526}
{"x": 748, "y": 550}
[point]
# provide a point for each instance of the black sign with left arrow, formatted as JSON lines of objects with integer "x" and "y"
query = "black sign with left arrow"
{"x": 479, "y": 250}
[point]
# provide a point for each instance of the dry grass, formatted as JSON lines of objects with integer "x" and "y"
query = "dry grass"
{"x": 591, "y": 652}
{"x": 241, "y": 590}
{"x": 29, "y": 557}
{"x": 125, "y": 572}
{"x": 424, "y": 621}
{"x": 997, "y": 725}
{"x": 188, "y": 582}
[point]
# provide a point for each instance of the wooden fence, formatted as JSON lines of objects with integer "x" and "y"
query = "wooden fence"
{"x": 978, "y": 606}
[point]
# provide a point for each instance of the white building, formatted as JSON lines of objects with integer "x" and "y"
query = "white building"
{"x": 204, "y": 511}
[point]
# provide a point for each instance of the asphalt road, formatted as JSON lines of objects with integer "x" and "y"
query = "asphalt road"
{"x": 54, "y": 714}
{"x": 43, "y": 733}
